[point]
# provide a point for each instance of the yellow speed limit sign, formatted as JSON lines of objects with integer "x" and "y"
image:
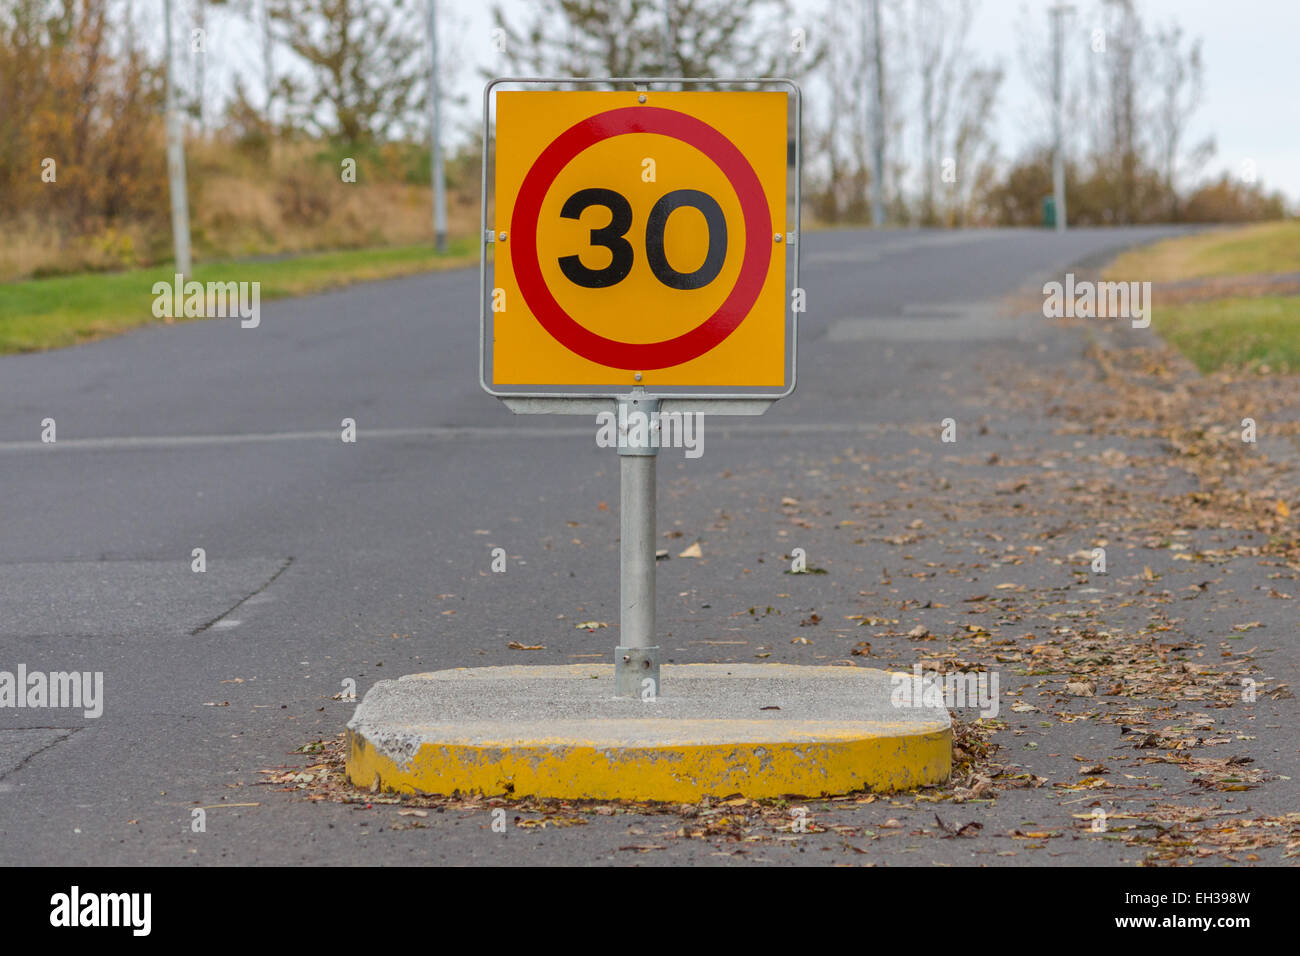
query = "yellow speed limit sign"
{"x": 642, "y": 238}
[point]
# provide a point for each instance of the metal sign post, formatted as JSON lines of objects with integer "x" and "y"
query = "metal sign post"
{"x": 636, "y": 659}
{"x": 603, "y": 295}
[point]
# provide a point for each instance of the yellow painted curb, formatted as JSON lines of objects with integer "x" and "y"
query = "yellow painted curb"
{"x": 818, "y": 758}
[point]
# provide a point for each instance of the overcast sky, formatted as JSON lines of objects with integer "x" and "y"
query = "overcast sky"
{"x": 1252, "y": 71}
{"x": 1251, "y": 52}
{"x": 1252, "y": 76}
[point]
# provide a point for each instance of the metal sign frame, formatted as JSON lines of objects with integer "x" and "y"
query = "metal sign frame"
{"x": 535, "y": 399}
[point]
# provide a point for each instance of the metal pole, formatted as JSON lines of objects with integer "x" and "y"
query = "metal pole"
{"x": 877, "y": 99}
{"x": 200, "y": 66}
{"x": 636, "y": 658}
{"x": 435, "y": 122}
{"x": 1057, "y": 13}
{"x": 176, "y": 158}
{"x": 668, "y": 37}
{"x": 268, "y": 66}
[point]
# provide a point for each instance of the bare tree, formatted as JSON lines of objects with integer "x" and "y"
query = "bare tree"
{"x": 1180, "y": 76}
{"x": 691, "y": 38}
{"x": 938, "y": 32}
{"x": 971, "y": 147}
{"x": 955, "y": 104}
{"x": 364, "y": 57}
{"x": 730, "y": 37}
{"x": 1115, "y": 86}
{"x": 840, "y": 121}
{"x": 827, "y": 139}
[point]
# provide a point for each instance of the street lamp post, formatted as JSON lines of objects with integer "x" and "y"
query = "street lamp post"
{"x": 435, "y": 135}
{"x": 176, "y": 158}
{"x": 1057, "y": 14}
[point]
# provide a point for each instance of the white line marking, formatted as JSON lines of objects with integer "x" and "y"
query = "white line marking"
{"x": 169, "y": 442}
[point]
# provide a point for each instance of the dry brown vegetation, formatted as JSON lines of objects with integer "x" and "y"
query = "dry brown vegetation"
{"x": 83, "y": 178}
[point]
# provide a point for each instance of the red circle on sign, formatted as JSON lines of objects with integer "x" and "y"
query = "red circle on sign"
{"x": 753, "y": 267}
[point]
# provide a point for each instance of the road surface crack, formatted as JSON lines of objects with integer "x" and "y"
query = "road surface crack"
{"x": 234, "y": 607}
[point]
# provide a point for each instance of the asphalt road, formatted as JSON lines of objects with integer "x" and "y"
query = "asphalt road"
{"x": 328, "y": 561}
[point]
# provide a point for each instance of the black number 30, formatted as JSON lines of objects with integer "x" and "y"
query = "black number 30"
{"x": 610, "y": 236}
{"x": 620, "y": 220}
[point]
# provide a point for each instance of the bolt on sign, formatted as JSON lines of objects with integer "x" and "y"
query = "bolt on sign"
{"x": 640, "y": 237}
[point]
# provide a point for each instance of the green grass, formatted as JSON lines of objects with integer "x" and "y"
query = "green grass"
{"x": 1238, "y": 331}
{"x": 51, "y": 313}
{"x": 1244, "y": 333}
{"x": 1269, "y": 247}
